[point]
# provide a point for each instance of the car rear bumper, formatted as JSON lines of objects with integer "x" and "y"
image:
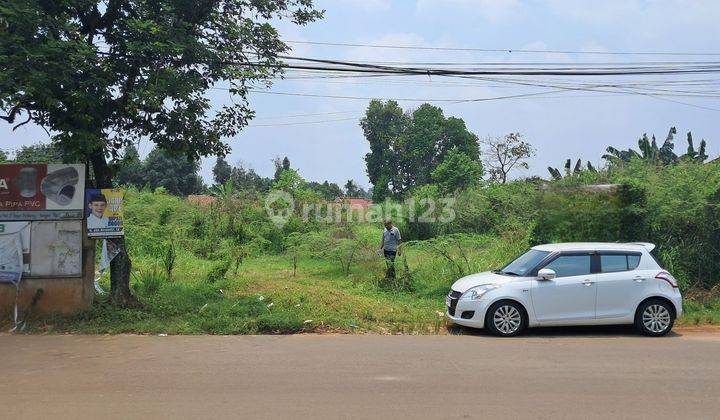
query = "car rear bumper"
{"x": 677, "y": 301}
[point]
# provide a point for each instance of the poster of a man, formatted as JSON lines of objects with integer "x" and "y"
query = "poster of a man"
{"x": 96, "y": 219}
{"x": 104, "y": 213}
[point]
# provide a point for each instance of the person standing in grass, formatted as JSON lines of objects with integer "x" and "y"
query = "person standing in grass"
{"x": 389, "y": 245}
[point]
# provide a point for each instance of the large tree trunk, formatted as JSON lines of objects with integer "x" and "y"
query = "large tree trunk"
{"x": 120, "y": 266}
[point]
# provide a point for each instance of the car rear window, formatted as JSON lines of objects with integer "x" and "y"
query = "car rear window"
{"x": 612, "y": 263}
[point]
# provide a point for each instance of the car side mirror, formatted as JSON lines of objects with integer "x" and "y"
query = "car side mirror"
{"x": 547, "y": 274}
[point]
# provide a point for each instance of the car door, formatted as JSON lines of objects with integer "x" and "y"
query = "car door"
{"x": 619, "y": 285}
{"x": 571, "y": 295}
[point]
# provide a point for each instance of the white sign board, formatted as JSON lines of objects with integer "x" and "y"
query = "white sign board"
{"x": 56, "y": 248}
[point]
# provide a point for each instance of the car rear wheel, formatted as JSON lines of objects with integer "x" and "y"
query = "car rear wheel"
{"x": 655, "y": 318}
{"x": 506, "y": 319}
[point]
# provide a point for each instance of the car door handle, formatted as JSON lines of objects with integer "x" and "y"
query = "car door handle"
{"x": 639, "y": 279}
{"x": 588, "y": 283}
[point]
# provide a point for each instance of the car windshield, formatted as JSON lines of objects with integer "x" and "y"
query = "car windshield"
{"x": 522, "y": 265}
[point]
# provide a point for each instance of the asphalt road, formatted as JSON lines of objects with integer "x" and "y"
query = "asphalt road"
{"x": 555, "y": 374}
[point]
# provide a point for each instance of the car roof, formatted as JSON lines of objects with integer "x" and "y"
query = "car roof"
{"x": 596, "y": 246}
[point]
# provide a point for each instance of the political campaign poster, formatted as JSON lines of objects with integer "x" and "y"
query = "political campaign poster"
{"x": 41, "y": 191}
{"x": 104, "y": 212}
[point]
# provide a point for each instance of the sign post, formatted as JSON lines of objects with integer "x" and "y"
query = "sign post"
{"x": 45, "y": 251}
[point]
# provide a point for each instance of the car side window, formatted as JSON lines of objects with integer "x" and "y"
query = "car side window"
{"x": 613, "y": 263}
{"x": 570, "y": 265}
{"x": 633, "y": 261}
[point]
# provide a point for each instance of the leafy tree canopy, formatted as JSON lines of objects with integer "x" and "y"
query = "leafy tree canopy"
{"x": 457, "y": 172}
{"x": 130, "y": 168}
{"x": 101, "y": 74}
{"x": 173, "y": 172}
{"x": 354, "y": 190}
{"x": 406, "y": 148}
{"x": 328, "y": 190}
{"x": 222, "y": 171}
{"x": 39, "y": 153}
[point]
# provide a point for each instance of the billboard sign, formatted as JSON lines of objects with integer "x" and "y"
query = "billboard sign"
{"x": 104, "y": 212}
{"x": 41, "y": 191}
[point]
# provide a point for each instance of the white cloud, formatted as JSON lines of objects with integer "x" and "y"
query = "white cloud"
{"x": 366, "y": 5}
{"x": 650, "y": 15}
{"x": 494, "y": 11}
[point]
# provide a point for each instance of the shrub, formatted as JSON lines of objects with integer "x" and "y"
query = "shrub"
{"x": 149, "y": 282}
{"x": 218, "y": 270}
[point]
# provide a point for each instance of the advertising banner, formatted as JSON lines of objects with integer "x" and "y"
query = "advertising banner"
{"x": 41, "y": 191}
{"x": 104, "y": 212}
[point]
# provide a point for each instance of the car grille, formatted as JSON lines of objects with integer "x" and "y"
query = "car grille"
{"x": 454, "y": 296}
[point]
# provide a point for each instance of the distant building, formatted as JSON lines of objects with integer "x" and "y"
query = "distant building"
{"x": 355, "y": 203}
{"x": 201, "y": 199}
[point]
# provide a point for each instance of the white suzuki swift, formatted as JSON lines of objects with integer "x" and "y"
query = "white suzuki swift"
{"x": 570, "y": 284}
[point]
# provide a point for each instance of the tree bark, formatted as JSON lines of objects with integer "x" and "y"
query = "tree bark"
{"x": 120, "y": 266}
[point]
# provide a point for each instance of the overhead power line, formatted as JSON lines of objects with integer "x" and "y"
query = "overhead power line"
{"x": 503, "y": 50}
{"x": 566, "y": 70}
{"x": 302, "y": 122}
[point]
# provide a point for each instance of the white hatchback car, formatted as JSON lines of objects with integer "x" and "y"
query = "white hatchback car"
{"x": 570, "y": 284}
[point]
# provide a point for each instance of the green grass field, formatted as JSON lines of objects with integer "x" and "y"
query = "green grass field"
{"x": 264, "y": 296}
{"x": 226, "y": 269}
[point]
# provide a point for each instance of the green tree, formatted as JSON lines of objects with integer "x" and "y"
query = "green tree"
{"x": 101, "y": 74}
{"x": 457, "y": 172}
{"x": 328, "y": 190}
{"x": 280, "y": 166}
{"x": 353, "y": 190}
{"x": 222, "y": 171}
{"x": 130, "y": 169}
{"x": 175, "y": 173}
{"x": 3, "y": 156}
{"x": 383, "y": 124}
{"x": 504, "y": 154}
{"x": 429, "y": 139}
{"x": 405, "y": 149}
{"x": 248, "y": 181}
{"x": 39, "y": 153}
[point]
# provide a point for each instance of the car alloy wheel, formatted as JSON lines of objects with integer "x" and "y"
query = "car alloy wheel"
{"x": 507, "y": 319}
{"x": 656, "y": 318}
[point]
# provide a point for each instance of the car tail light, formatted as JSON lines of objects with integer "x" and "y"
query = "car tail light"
{"x": 664, "y": 275}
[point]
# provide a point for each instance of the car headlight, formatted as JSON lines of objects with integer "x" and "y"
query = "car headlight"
{"x": 475, "y": 293}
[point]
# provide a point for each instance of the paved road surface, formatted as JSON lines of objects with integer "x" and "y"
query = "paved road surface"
{"x": 546, "y": 375}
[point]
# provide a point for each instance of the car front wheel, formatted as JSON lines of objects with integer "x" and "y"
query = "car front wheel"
{"x": 654, "y": 318}
{"x": 506, "y": 319}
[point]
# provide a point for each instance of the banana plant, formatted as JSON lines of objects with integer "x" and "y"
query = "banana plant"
{"x": 650, "y": 152}
{"x": 555, "y": 173}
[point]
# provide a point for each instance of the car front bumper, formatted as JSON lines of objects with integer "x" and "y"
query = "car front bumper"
{"x": 469, "y": 313}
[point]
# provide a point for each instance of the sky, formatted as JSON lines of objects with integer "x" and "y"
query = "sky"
{"x": 329, "y": 144}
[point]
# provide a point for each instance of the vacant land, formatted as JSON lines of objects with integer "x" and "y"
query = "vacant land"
{"x": 225, "y": 267}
